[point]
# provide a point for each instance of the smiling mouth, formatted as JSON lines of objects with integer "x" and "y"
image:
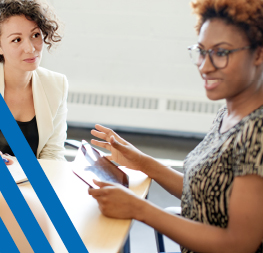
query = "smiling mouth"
{"x": 211, "y": 84}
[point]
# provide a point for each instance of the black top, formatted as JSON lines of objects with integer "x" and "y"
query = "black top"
{"x": 29, "y": 129}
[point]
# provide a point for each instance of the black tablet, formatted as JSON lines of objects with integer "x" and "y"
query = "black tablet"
{"x": 91, "y": 164}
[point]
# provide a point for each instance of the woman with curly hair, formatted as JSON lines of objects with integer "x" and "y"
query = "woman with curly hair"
{"x": 221, "y": 190}
{"x": 35, "y": 96}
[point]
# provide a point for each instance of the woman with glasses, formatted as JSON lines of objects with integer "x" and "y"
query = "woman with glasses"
{"x": 35, "y": 96}
{"x": 221, "y": 190}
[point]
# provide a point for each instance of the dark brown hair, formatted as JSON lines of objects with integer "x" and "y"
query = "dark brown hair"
{"x": 245, "y": 14}
{"x": 34, "y": 10}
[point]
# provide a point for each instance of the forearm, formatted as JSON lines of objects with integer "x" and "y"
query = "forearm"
{"x": 193, "y": 235}
{"x": 170, "y": 179}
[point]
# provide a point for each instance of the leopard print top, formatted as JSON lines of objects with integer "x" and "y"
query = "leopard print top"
{"x": 209, "y": 170}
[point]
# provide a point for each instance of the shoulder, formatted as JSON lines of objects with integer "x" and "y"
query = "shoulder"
{"x": 248, "y": 137}
{"x": 45, "y": 73}
{"x": 249, "y": 145}
{"x": 252, "y": 125}
{"x": 51, "y": 81}
{"x": 255, "y": 116}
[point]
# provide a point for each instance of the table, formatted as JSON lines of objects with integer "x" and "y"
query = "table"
{"x": 99, "y": 233}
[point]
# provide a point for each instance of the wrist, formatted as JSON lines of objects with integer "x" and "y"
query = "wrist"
{"x": 139, "y": 209}
{"x": 150, "y": 166}
{"x": 143, "y": 163}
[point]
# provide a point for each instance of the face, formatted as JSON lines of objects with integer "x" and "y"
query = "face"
{"x": 21, "y": 44}
{"x": 238, "y": 77}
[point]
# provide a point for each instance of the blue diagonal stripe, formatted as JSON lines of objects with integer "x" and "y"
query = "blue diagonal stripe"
{"x": 7, "y": 244}
{"x": 22, "y": 212}
{"x": 39, "y": 181}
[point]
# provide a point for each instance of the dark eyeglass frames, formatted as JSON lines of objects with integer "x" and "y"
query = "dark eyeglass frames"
{"x": 218, "y": 56}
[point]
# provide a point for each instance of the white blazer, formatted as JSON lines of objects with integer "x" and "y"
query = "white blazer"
{"x": 50, "y": 91}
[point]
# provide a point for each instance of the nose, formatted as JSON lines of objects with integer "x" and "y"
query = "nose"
{"x": 207, "y": 65}
{"x": 29, "y": 47}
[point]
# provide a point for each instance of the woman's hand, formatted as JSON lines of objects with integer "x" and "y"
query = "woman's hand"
{"x": 7, "y": 157}
{"x": 115, "y": 201}
{"x": 122, "y": 152}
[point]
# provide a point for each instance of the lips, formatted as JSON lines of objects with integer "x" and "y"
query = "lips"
{"x": 30, "y": 60}
{"x": 211, "y": 84}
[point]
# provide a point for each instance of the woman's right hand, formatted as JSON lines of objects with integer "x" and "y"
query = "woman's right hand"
{"x": 7, "y": 157}
{"x": 122, "y": 152}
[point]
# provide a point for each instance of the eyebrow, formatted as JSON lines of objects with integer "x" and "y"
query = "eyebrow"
{"x": 21, "y": 33}
{"x": 216, "y": 45}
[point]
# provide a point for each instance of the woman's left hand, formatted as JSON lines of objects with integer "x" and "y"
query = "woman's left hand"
{"x": 115, "y": 200}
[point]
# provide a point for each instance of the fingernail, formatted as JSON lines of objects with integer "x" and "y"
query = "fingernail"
{"x": 5, "y": 160}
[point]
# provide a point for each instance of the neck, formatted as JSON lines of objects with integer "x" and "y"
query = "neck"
{"x": 244, "y": 104}
{"x": 17, "y": 79}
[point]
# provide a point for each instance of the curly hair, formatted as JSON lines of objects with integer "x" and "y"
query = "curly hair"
{"x": 245, "y": 14}
{"x": 33, "y": 10}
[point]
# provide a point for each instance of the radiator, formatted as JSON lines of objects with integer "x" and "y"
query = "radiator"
{"x": 145, "y": 114}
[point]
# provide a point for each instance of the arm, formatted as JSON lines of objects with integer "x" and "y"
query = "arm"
{"x": 170, "y": 179}
{"x": 243, "y": 234}
{"x": 125, "y": 154}
{"x": 54, "y": 148}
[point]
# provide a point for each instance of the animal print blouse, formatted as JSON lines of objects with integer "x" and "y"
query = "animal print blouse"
{"x": 209, "y": 170}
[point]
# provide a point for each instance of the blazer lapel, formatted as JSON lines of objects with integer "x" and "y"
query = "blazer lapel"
{"x": 43, "y": 113}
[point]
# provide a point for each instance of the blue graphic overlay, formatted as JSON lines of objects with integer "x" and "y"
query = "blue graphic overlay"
{"x": 7, "y": 244}
{"x": 39, "y": 181}
{"x": 22, "y": 212}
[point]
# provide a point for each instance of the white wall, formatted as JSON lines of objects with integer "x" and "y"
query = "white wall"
{"x": 128, "y": 47}
{"x": 138, "y": 45}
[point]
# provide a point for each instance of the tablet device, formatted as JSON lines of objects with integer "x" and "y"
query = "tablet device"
{"x": 91, "y": 164}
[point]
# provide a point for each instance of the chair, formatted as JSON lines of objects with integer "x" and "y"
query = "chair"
{"x": 159, "y": 237}
{"x": 73, "y": 143}
{"x": 76, "y": 144}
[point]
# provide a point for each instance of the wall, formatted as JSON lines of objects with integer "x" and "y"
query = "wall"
{"x": 130, "y": 48}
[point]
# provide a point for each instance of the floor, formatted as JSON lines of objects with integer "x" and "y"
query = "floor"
{"x": 163, "y": 147}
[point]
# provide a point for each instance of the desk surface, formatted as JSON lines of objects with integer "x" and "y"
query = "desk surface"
{"x": 99, "y": 233}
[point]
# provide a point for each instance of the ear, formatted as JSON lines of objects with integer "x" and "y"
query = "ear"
{"x": 259, "y": 56}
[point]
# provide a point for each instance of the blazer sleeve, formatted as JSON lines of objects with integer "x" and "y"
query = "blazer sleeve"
{"x": 54, "y": 147}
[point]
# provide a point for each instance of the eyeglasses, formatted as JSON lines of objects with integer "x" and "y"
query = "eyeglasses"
{"x": 218, "y": 56}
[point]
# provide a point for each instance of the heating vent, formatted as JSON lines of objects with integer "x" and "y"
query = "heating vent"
{"x": 193, "y": 106}
{"x": 133, "y": 102}
{"x": 131, "y": 112}
{"x": 113, "y": 101}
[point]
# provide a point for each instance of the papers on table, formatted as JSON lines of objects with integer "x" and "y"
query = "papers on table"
{"x": 17, "y": 172}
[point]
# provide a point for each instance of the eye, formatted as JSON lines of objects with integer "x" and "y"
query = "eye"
{"x": 201, "y": 51}
{"x": 16, "y": 40}
{"x": 36, "y": 35}
{"x": 221, "y": 52}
